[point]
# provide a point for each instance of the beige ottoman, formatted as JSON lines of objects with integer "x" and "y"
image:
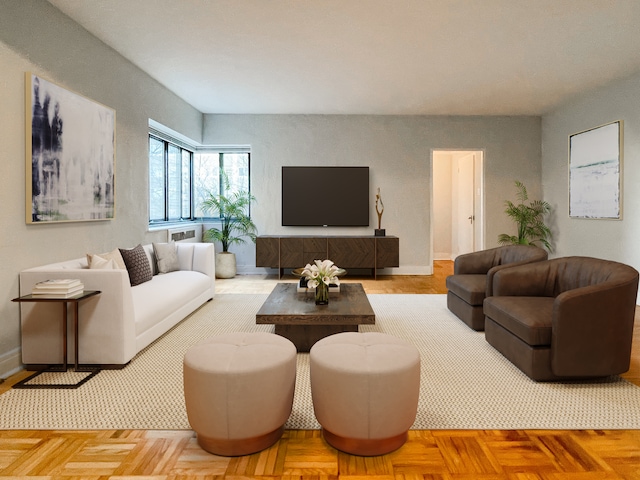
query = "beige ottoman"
{"x": 238, "y": 391}
{"x": 365, "y": 389}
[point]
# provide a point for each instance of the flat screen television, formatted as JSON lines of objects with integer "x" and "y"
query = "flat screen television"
{"x": 325, "y": 196}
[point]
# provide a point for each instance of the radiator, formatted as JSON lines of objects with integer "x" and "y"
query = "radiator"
{"x": 191, "y": 233}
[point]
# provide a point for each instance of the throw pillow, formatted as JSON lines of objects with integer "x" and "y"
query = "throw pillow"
{"x": 137, "y": 264}
{"x": 166, "y": 257}
{"x": 99, "y": 263}
{"x": 112, "y": 255}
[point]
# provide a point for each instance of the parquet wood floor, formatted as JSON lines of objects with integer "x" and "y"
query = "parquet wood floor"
{"x": 302, "y": 454}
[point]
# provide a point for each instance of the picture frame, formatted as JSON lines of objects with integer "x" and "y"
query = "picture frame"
{"x": 70, "y": 155}
{"x": 595, "y": 172}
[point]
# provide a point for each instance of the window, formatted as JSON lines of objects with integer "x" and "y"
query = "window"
{"x": 180, "y": 177}
{"x": 208, "y": 165}
{"x": 170, "y": 174}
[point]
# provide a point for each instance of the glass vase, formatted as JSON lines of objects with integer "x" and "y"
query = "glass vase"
{"x": 322, "y": 294}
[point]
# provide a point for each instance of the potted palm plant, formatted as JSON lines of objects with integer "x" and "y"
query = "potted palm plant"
{"x": 235, "y": 226}
{"x": 530, "y": 220}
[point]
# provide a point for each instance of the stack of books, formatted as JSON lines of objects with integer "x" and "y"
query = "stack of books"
{"x": 58, "y": 288}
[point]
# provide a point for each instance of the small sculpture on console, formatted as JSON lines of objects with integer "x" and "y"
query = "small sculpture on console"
{"x": 379, "y": 232}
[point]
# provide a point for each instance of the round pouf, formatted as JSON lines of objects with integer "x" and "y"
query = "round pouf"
{"x": 365, "y": 389}
{"x": 238, "y": 391}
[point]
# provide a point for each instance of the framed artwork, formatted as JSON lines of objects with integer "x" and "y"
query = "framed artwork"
{"x": 70, "y": 155}
{"x": 595, "y": 172}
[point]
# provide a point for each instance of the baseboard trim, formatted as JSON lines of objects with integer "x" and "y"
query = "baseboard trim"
{"x": 11, "y": 363}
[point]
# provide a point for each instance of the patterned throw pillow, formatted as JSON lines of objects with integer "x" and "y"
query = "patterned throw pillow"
{"x": 137, "y": 264}
{"x": 166, "y": 257}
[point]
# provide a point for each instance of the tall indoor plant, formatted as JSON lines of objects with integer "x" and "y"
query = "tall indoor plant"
{"x": 235, "y": 225}
{"x": 529, "y": 218}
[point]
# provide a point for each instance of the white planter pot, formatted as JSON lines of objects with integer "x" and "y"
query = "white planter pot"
{"x": 225, "y": 265}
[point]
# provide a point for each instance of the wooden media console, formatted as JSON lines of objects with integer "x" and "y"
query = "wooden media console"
{"x": 366, "y": 252}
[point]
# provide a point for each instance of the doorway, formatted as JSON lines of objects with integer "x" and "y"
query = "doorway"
{"x": 457, "y": 193}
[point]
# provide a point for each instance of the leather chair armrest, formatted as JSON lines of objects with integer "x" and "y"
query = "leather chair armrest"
{"x": 592, "y": 330}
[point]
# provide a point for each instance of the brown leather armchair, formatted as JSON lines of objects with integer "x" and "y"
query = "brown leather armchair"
{"x": 472, "y": 276}
{"x": 565, "y": 318}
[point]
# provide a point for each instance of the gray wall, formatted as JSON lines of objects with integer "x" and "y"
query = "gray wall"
{"x": 37, "y": 38}
{"x": 609, "y": 239}
{"x": 398, "y": 151}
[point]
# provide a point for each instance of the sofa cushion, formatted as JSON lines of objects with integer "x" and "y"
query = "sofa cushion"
{"x": 470, "y": 288}
{"x": 529, "y": 318}
{"x": 100, "y": 263}
{"x": 137, "y": 264}
{"x": 114, "y": 255}
{"x": 165, "y": 294}
{"x": 166, "y": 257}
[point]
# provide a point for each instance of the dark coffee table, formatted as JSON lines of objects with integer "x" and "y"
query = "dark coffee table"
{"x": 297, "y": 317}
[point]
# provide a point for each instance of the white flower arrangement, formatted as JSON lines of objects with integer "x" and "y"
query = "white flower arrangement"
{"x": 322, "y": 271}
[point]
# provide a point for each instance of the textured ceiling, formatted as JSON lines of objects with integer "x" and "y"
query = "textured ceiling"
{"x": 434, "y": 57}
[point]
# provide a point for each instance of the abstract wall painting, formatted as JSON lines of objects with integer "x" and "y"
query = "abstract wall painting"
{"x": 70, "y": 160}
{"x": 595, "y": 172}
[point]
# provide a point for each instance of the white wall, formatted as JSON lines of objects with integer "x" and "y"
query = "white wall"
{"x": 442, "y": 206}
{"x": 35, "y": 37}
{"x": 397, "y": 149}
{"x": 609, "y": 239}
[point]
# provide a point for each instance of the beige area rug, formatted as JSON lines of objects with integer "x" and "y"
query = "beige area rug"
{"x": 465, "y": 383}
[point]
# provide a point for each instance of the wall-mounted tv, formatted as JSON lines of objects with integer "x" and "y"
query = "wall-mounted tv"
{"x": 325, "y": 196}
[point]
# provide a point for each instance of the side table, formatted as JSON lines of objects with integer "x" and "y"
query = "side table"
{"x": 75, "y": 301}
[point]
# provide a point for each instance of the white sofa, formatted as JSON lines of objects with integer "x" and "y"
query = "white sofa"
{"x": 115, "y": 325}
